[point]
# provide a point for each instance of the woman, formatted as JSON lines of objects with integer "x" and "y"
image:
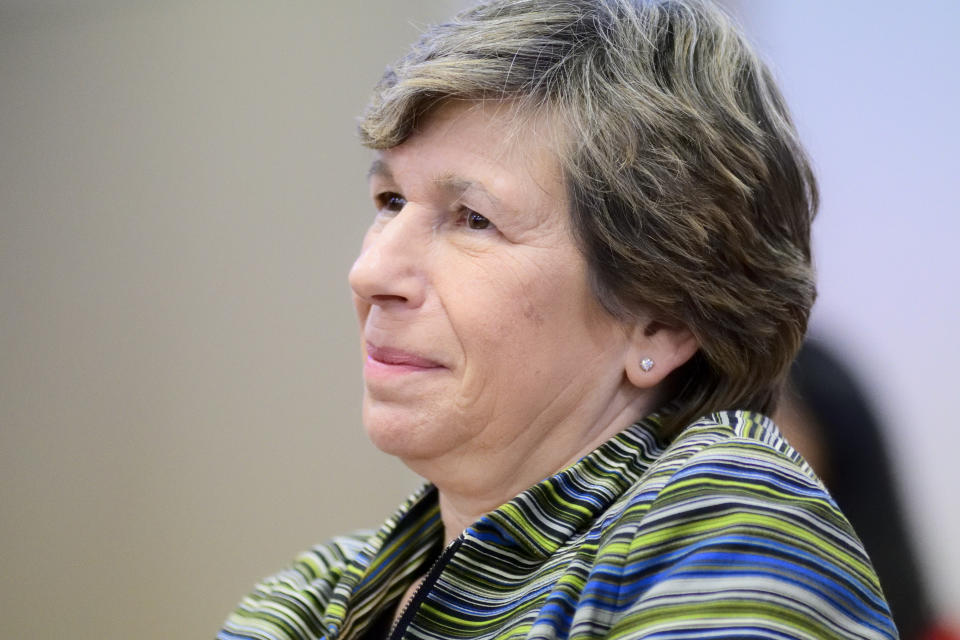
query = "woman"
{"x": 587, "y": 275}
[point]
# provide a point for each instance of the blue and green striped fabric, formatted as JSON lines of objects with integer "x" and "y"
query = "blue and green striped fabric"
{"x": 722, "y": 533}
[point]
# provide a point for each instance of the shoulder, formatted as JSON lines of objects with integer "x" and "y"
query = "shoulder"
{"x": 730, "y": 459}
{"x": 289, "y": 605}
{"x": 308, "y": 598}
{"x": 731, "y": 529}
{"x": 732, "y": 476}
{"x": 739, "y": 455}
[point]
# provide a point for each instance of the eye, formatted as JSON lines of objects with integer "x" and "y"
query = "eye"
{"x": 476, "y": 221}
{"x": 390, "y": 201}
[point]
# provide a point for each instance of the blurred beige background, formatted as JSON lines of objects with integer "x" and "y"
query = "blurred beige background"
{"x": 181, "y": 196}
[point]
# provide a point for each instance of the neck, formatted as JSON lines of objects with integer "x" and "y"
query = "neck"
{"x": 473, "y": 484}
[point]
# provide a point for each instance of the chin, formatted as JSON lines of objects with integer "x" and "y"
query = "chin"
{"x": 387, "y": 438}
{"x": 397, "y": 433}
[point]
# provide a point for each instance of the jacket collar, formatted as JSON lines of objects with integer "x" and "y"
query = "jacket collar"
{"x": 541, "y": 519}
{"x": 528, "y": 529}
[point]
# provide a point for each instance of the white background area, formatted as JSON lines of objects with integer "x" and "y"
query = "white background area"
{"x": 181, "y": 196}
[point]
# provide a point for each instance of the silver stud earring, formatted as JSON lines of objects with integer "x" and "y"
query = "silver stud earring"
{"x": 646, "y": 364}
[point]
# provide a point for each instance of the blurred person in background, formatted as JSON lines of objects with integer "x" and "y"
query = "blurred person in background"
{"x": 827, "y": 416}
{"x": 586, "y": 278}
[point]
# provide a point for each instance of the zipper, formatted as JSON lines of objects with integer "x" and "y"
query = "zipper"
{"x": 410, "y": 609}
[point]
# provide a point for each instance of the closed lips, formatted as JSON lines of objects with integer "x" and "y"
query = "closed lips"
{"x": 389, "y": 355}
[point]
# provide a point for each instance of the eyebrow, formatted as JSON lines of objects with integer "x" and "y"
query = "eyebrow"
{"x": 379, "y": 168}
{"x": 461, "y": 185}
{"x": 449, "y": 182}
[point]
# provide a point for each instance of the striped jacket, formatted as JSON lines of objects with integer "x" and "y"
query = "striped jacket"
{"x": 724, "y": 532}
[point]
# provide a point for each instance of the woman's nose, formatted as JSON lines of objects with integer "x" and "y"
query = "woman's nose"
{"x": 389, "y": 269}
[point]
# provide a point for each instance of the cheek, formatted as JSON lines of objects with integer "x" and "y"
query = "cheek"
{"x": 519, "y": 304}
{"x": 498, "y": 304}
{"x": 491, "y": 320}
{"x": 550, "y": 300}
{"x": 532, "y": 314}
{"x": 509, "y": 312}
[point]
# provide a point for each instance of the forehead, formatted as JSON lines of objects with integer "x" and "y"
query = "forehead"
{"x": 506, "y": 150}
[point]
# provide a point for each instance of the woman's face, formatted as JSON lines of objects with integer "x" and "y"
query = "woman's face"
{"x": 481, "y": 334}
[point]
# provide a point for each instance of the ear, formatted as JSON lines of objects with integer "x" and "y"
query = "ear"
{"x": 655, "y": 351}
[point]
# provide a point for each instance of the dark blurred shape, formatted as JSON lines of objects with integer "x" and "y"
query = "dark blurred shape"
{"x": 828, "y": 418}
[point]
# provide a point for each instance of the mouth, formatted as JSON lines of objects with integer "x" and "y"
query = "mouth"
{"x": 389, "y": 359}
